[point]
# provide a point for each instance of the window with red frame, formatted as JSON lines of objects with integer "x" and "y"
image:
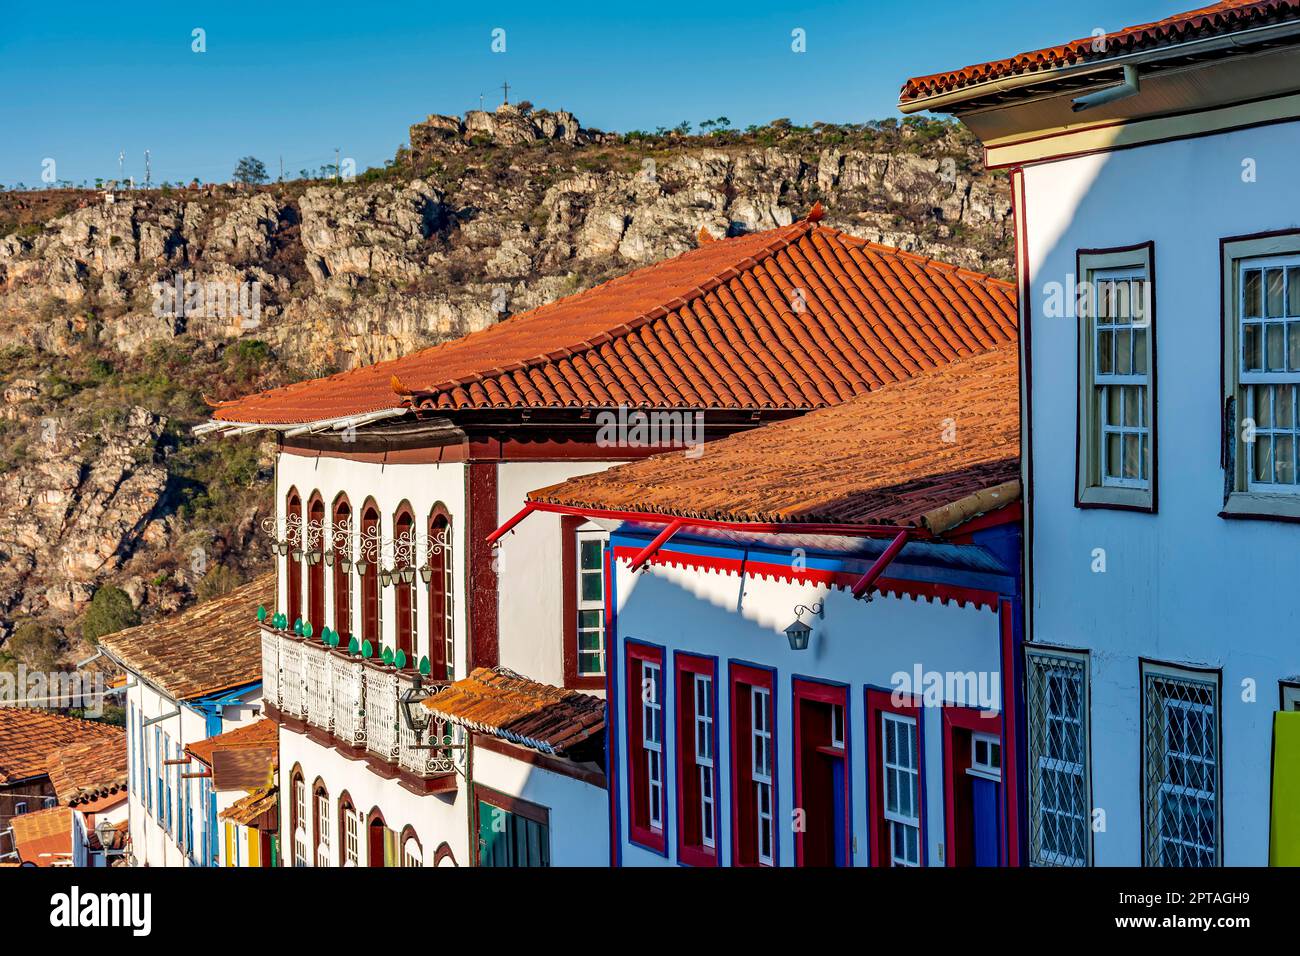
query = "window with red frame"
{"x": 753, "y": 752}
{"x": 342, "y": 548}
{"x": 894, "y": 756}
{"x": 313, "y": 547}
{"x": 368, "y": 569}
{"x": 404, "y": 591}
{"x": 697, "y": 773}
{"x": 442, "y": 653}
{"x": 293, "y": 517}
{"x": 583, "y": 561}
{"x": 645, "y": 745}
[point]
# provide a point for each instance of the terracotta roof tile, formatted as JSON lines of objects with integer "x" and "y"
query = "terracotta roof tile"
{"x": 257, "y": 735}
{"x": 90, "y": 771}
{"x": 249, "y": 808}
{"x": 879, "y": 459}
{"x": 210, "y": 647}
{"x": 27, "y": 737}
{"x": 499, "y": 702}
{"x": 797, "y": 317}
{"x": 1228, "y": 16}
{"x": 44, "y": 837}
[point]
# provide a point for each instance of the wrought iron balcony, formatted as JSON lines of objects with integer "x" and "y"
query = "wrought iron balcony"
{"x": 353, "y": 700}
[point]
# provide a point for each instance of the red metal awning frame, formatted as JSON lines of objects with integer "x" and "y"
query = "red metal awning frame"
{"x": 675, "y": 523}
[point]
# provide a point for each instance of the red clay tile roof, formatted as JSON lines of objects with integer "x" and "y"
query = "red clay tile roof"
{"x": 499, "y": 702}
{"x": 210, "y": 647}
{"x": 44, "y": 837}
{"x": 1217, "y": 19}
{"x": 250, "y": 807}
{"x": 258, "y": 735}
{"x": 797, "y": 317}
{"x": 90, "y": 771}
{"x": 880, "y": 459}
{"x": 28, "y": 736}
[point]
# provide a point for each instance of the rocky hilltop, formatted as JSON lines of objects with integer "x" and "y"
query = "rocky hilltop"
{"x": 480, "y": 217}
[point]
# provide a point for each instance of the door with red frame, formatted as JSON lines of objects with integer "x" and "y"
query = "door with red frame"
{"x": 973, "y": 788}
{"x": 821, "y": 774}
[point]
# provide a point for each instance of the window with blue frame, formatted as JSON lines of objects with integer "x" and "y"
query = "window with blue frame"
{"x": 158, "y": 772}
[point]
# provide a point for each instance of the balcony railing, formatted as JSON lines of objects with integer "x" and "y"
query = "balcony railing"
{"x": 356, "y": 701}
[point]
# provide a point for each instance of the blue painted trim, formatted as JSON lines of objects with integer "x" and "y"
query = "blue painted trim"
{"x": 613, "y": 657}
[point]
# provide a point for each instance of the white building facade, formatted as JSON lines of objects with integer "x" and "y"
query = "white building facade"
{"x": 1158, "y": 234}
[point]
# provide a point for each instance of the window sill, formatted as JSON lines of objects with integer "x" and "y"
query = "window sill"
{"x": 1117, "y": 499}
{"x": 647, "y": 839}
{"x": 1258, "y": 506}
{"x": 584, "y": 683}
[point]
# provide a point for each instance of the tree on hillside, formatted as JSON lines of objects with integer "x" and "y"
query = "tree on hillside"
{"x": 250, "y": 170}
{"x": 110, "y": 611}
{"x": 35, "y": 644}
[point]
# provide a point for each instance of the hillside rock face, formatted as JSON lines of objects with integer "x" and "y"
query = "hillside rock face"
{"x": 486, "y": 216}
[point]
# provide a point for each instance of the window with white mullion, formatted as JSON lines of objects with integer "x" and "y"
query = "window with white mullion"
{"x": 323, "y": 827}
{"x": 1120, "y": 328}
{"x": 591, "y": 603}
{"x": 761, "y": 774}
{"x": 652, "y": 738}
{"x": 704, "y": 755}
{"x": 1268, "y": 310}
{"x": 902, "y": 789}
{"x": 351, "y": 841}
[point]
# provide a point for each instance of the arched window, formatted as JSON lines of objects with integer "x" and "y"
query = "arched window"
{"x": 442, "y": 645}
{"x": 368, "y": 568}
{"x": 349, "y": 832}
{"x": 298, "y": 817}
{"x": 412, "y": 853}
{"x": 342, "y": 544}
{"x": 292, "y": 521}
{"x": 314, "y": 544}
{"x": 321, "y": 823}
{"x": 403, "y": 566}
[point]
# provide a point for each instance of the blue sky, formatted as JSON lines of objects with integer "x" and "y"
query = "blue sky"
{"x": 83, "y": 81}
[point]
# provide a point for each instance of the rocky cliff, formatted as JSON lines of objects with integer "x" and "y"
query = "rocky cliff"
{"x": 480, "y": 217}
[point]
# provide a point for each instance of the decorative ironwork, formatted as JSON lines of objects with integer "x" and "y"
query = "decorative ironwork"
{"x": 291, "y": 677}
{"x": 396, "y": 558}
{"x": 1060, "y": 832}
{"x": 381, "y": 712}
{"x": 1181, "y": 770}
{"x": 271, "y": 667}
{"x": 349, "y": 701}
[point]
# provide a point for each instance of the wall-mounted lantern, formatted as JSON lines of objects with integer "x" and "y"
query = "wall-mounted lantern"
{"x": 799, "y": 633}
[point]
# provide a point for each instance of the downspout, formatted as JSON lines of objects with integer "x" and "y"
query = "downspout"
{"x": 863, "y": 588}
{"x": 1122, "y": 91}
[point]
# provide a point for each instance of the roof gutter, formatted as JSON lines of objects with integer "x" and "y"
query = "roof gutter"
{"x": 291, "y": 430}
{"x": 1199, "y": 46}
{"x": 1122, "y": 91}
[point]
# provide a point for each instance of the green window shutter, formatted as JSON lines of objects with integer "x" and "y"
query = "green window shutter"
{"x": 1284, "y": 843}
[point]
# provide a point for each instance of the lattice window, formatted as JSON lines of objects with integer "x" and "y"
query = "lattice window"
{"x": 1180, "y": 759}
{"x": 1059, "y": 781}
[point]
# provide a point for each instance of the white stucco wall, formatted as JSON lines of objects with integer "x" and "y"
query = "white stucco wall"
{"x": 528, "y": 560}
{"x": 1183, "y": 586}
{"x": 578, "y": 811}
{"x": 436, "y": 818}
{"x": 152, "y": 842}
{"x": 856, "y": 643}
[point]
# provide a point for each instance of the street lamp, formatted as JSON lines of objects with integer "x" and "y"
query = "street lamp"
{"x": 414, "y": 714}
{"x": 110, "y": 837}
